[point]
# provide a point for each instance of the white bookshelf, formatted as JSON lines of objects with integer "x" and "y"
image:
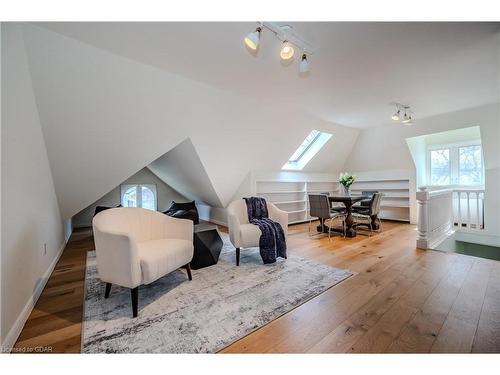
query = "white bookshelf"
{"x": 291, "y": 196}
{"x": 289, "y": 190}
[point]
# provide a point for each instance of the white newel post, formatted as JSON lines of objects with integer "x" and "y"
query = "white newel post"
{"x": 423, "y": 218}
{"x": 435, "y": 216}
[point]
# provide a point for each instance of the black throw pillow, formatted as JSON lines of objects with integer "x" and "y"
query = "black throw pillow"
{"x": 182, "y": 206}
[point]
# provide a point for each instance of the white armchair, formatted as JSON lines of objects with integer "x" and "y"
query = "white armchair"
{"x": 135, "y": 246}
{"x": 244, "y": 234}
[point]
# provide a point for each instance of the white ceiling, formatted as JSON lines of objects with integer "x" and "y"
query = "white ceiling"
{"x": 357, "y": 71}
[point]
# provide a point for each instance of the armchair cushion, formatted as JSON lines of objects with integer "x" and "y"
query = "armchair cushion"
{"x": 162, "y": 256}
{"x": 250, "y": 235}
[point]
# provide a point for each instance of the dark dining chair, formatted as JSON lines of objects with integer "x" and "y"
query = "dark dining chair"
{"x": 319, "y": 206}
{"x": 365, "y": 214}
{"x": 365, "y": 202}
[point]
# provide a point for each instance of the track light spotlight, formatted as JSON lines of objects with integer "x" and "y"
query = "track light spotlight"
{"x": 252, "y": 40}
{"x": 304, "y": 64}
{"x": 395, "y": 116}
{"x": 407, "y": 120}
{"x": 287, "y": 51}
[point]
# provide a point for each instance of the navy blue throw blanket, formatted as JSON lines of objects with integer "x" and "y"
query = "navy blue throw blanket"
{"x": 272, "y": 241}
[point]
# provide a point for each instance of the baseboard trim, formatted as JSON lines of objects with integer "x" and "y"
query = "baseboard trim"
{"x": 15, "y": 331}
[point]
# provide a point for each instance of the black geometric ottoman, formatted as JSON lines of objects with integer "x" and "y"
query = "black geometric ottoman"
{"x": 207, "y": 246}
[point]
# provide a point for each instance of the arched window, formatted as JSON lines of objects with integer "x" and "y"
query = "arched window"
{"x": 139, "y": 196}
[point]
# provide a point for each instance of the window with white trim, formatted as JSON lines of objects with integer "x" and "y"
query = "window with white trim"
{"x": 314, "y": 141}
{"x": 139, "y": 195}
{"x": 455, "y": 164}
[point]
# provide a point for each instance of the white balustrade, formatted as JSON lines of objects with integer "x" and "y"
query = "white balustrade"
{"x": 435, "y": 216}
{"x": 468, "y": 208}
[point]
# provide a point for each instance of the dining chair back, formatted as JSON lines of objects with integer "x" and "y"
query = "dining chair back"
{"x": 319, "y": 206}
{"x": 375, "y": 204}
{"x": 368, "y": 193}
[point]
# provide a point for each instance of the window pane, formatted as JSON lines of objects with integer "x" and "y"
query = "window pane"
{"x": 440, "y": 167}
{"x": 130, "y": 197}
{"x": 148, "y": 198}
{"x": 470, "y": 165}
{"x": 304, "y": 146}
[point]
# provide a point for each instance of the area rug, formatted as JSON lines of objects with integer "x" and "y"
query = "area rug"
{"x": 222, "y": 304}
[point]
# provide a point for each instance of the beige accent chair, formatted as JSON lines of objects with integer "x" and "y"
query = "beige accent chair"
{"x": 244, "y": 234}
{"x": 135, "y": 246}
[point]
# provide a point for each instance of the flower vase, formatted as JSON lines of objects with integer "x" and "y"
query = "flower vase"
{"x": 346, "y": 190}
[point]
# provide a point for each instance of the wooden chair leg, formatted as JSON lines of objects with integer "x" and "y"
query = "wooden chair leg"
{"x": 237, "y": 256}
{"x": 135, "y": 300}
{"x": 188, "y": 270}
{"x": 108, "y": 290}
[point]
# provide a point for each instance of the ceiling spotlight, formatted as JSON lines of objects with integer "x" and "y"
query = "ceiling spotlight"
{"x": 395, "y": 116}
{"x": 287, "y": 51}
{"x": 304, "y": 64}
{"x": 252, "y": 40}
{"x": 407, "y": 120}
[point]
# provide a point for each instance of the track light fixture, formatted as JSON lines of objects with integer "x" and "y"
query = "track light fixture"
{"x": 407, "y": 118}
{"x": 252, "y": 40}
{"x": 289, "y": 41}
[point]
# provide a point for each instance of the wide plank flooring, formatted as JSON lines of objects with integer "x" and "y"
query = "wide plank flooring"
{"x": 400, "y": 300}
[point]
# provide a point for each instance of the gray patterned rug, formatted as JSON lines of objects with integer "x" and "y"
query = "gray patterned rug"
{"x": 222, "y": 304}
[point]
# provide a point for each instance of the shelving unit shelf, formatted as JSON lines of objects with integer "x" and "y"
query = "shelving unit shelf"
{"x": 291, "y": 196}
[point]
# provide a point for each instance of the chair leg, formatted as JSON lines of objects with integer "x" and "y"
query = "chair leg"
{"x": 237, "y": 256}
{"x": 108, "y": 290}
{"x": 135, "y": 300}
{"x": 188, "y": 270}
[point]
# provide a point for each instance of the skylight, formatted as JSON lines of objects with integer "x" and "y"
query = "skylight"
{"x": 314, "y": 141}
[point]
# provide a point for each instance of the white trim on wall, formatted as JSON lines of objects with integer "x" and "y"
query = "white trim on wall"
{"x": 12, "y": 336}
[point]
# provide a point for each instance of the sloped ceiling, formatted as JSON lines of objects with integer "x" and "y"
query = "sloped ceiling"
{"x": 104, "y": 117}
{"x": 183, "y": 170}
{"x": 357, "y": 70}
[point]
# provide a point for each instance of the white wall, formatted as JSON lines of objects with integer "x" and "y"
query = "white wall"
{"x": 385, "y": 148}
{"x": 95, "y": 107}
{"x": 30, "y": 212}
{"x": 165, "y": 196}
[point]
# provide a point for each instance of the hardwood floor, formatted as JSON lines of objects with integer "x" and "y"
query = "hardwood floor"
{"x": 400, "y": 300}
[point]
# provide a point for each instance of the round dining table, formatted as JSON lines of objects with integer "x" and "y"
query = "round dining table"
{"x": 347, "y": 201}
